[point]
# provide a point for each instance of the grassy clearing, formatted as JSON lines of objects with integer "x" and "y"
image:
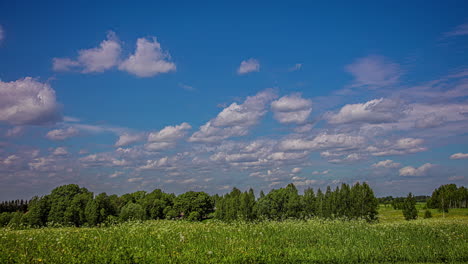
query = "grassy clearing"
{"x": 314, "y": 241}
{"x": 388, "y": 214}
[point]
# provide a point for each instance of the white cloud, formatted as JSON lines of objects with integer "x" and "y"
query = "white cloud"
{"x": 236, "y": 119}
{"x": 353, "y": 157}
{"x": 158, "y": 146}
{"x": 305, "y": 183}
{"x": 102, "y": 58}
{"x": 61, "y": 134}
{"x": 320, "y": 172}
{"x": 148, "y": 59}
{"x": 169, "y": 133}
{"x": 323, "y": 141}
{"x": 250, "y": 65}
{"x": 116, "y": 174}
{"x": 60, "y": 151}
{"x": 374, "y": 72}
{"x": 459, "y": 156}
{"x": 411, "y": 171}
{"x": 64, "y": 64}
{"x": 296, "y": 170}
{"x": 96, "y": 59}
{"x": 28, "y": 102}
{"x": 374, "y": 112}
{"x": 402, "y": 146}
{"x": 292, "y": 109}
{"x": 127, "y": 139}
{"x": 155, "y": 164}
{"x": 460, "y": 30}
{"x": 386, "y": 164}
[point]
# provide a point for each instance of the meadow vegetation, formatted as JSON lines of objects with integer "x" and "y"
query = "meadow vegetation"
{"x": 279, "y": 227}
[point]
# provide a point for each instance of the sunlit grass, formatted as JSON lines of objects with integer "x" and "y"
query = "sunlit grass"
{"x": 316, "y": 241}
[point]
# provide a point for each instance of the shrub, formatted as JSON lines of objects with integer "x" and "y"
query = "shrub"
{"x": 427, "y": 214}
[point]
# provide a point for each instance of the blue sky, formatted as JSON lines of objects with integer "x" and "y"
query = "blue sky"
{"x": 207, "y": 96}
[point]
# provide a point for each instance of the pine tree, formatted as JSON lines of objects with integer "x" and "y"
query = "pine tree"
{"x": 409, "y": 209}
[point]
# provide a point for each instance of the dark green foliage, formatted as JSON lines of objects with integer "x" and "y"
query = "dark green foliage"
{"x": 236, "y": 206}
{"x": 191, "y": 201}
{"x": 427, "y": 214}
{"x": 132, "y": 211}
{"x": 280, "y": 204}
{"x": 409, "y": 208}
{"x": 448, "y": 196}
{"x": 38, "y": 211}
{"x": 157, "y": 204}
{"x": 17, "y": 220}
{"x": 72, "y": 205}
{"x": 5, "y": 218}
{"x": 99, "y": 209}
{"x": 60, "y": 200}
{"x": 14, "y": 206}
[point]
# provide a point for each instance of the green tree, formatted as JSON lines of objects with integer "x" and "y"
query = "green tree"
{"x": 427, "y": 214}
{"x": 132, "y": 211}
{"x": 309, "y": 203}
{"x": 409, "y": 209}
{"x": 38, "y": 211}
{"x": 192, "y": 201}
{"x": 99, "y": 209}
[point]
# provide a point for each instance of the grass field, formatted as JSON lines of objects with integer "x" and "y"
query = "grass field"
{"x": 314, "y": 241}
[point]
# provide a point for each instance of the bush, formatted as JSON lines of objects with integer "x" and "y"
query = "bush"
{"x": 194, "y": 216}
{"x": 427, "y": 214}
{"x": 132, "y": 211}
{"x": 5, "y": 218}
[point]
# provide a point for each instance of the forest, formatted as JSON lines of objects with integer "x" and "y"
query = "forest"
{"x": 70, "y": 205}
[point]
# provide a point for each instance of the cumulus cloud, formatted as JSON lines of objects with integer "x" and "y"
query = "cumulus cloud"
{"x": 374, "y": 112}
{"x": 323, "y": 141}
{"x": 374, "y": 72}
{"x": 60, "y": 151}
{"x": 401, "y": 146}
{"x": 250, "y": 65}
{"x": 96, "y": 59}
{"x": 61, "y": 134}
{"x": 127, "y": 139}
{"x": 411, "y": 171}
{"x": 148, "y": 60}
{"x": 296, "y": 170}
{"x": 460, "y": 30}
{"x": 64, "y": 64}
{"x": 236, "y": 119}
{"x": 386, "y": 164}
{"x": 169, "y": 133}
{"x": 320, "y": 172}
{"x": 292, "y": 109}
{"x": 459, "y": 156}
{"x": 28, "y": 102}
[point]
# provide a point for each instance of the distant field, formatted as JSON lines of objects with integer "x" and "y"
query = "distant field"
{"x": 388, "y": 214}
{"x": 313, "y": 241}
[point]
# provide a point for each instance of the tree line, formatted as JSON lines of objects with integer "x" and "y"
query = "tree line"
{"x": 71, "y": 205}
{"x": 14, "y": 206}
{"x": 356, "y": 202}
{"x": 448, "y": 196}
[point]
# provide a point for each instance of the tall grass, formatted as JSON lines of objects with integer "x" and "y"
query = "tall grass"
{"x": 314, "y": 241}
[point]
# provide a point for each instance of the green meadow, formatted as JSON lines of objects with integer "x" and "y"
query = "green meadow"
{"x": 391, "y": 240}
